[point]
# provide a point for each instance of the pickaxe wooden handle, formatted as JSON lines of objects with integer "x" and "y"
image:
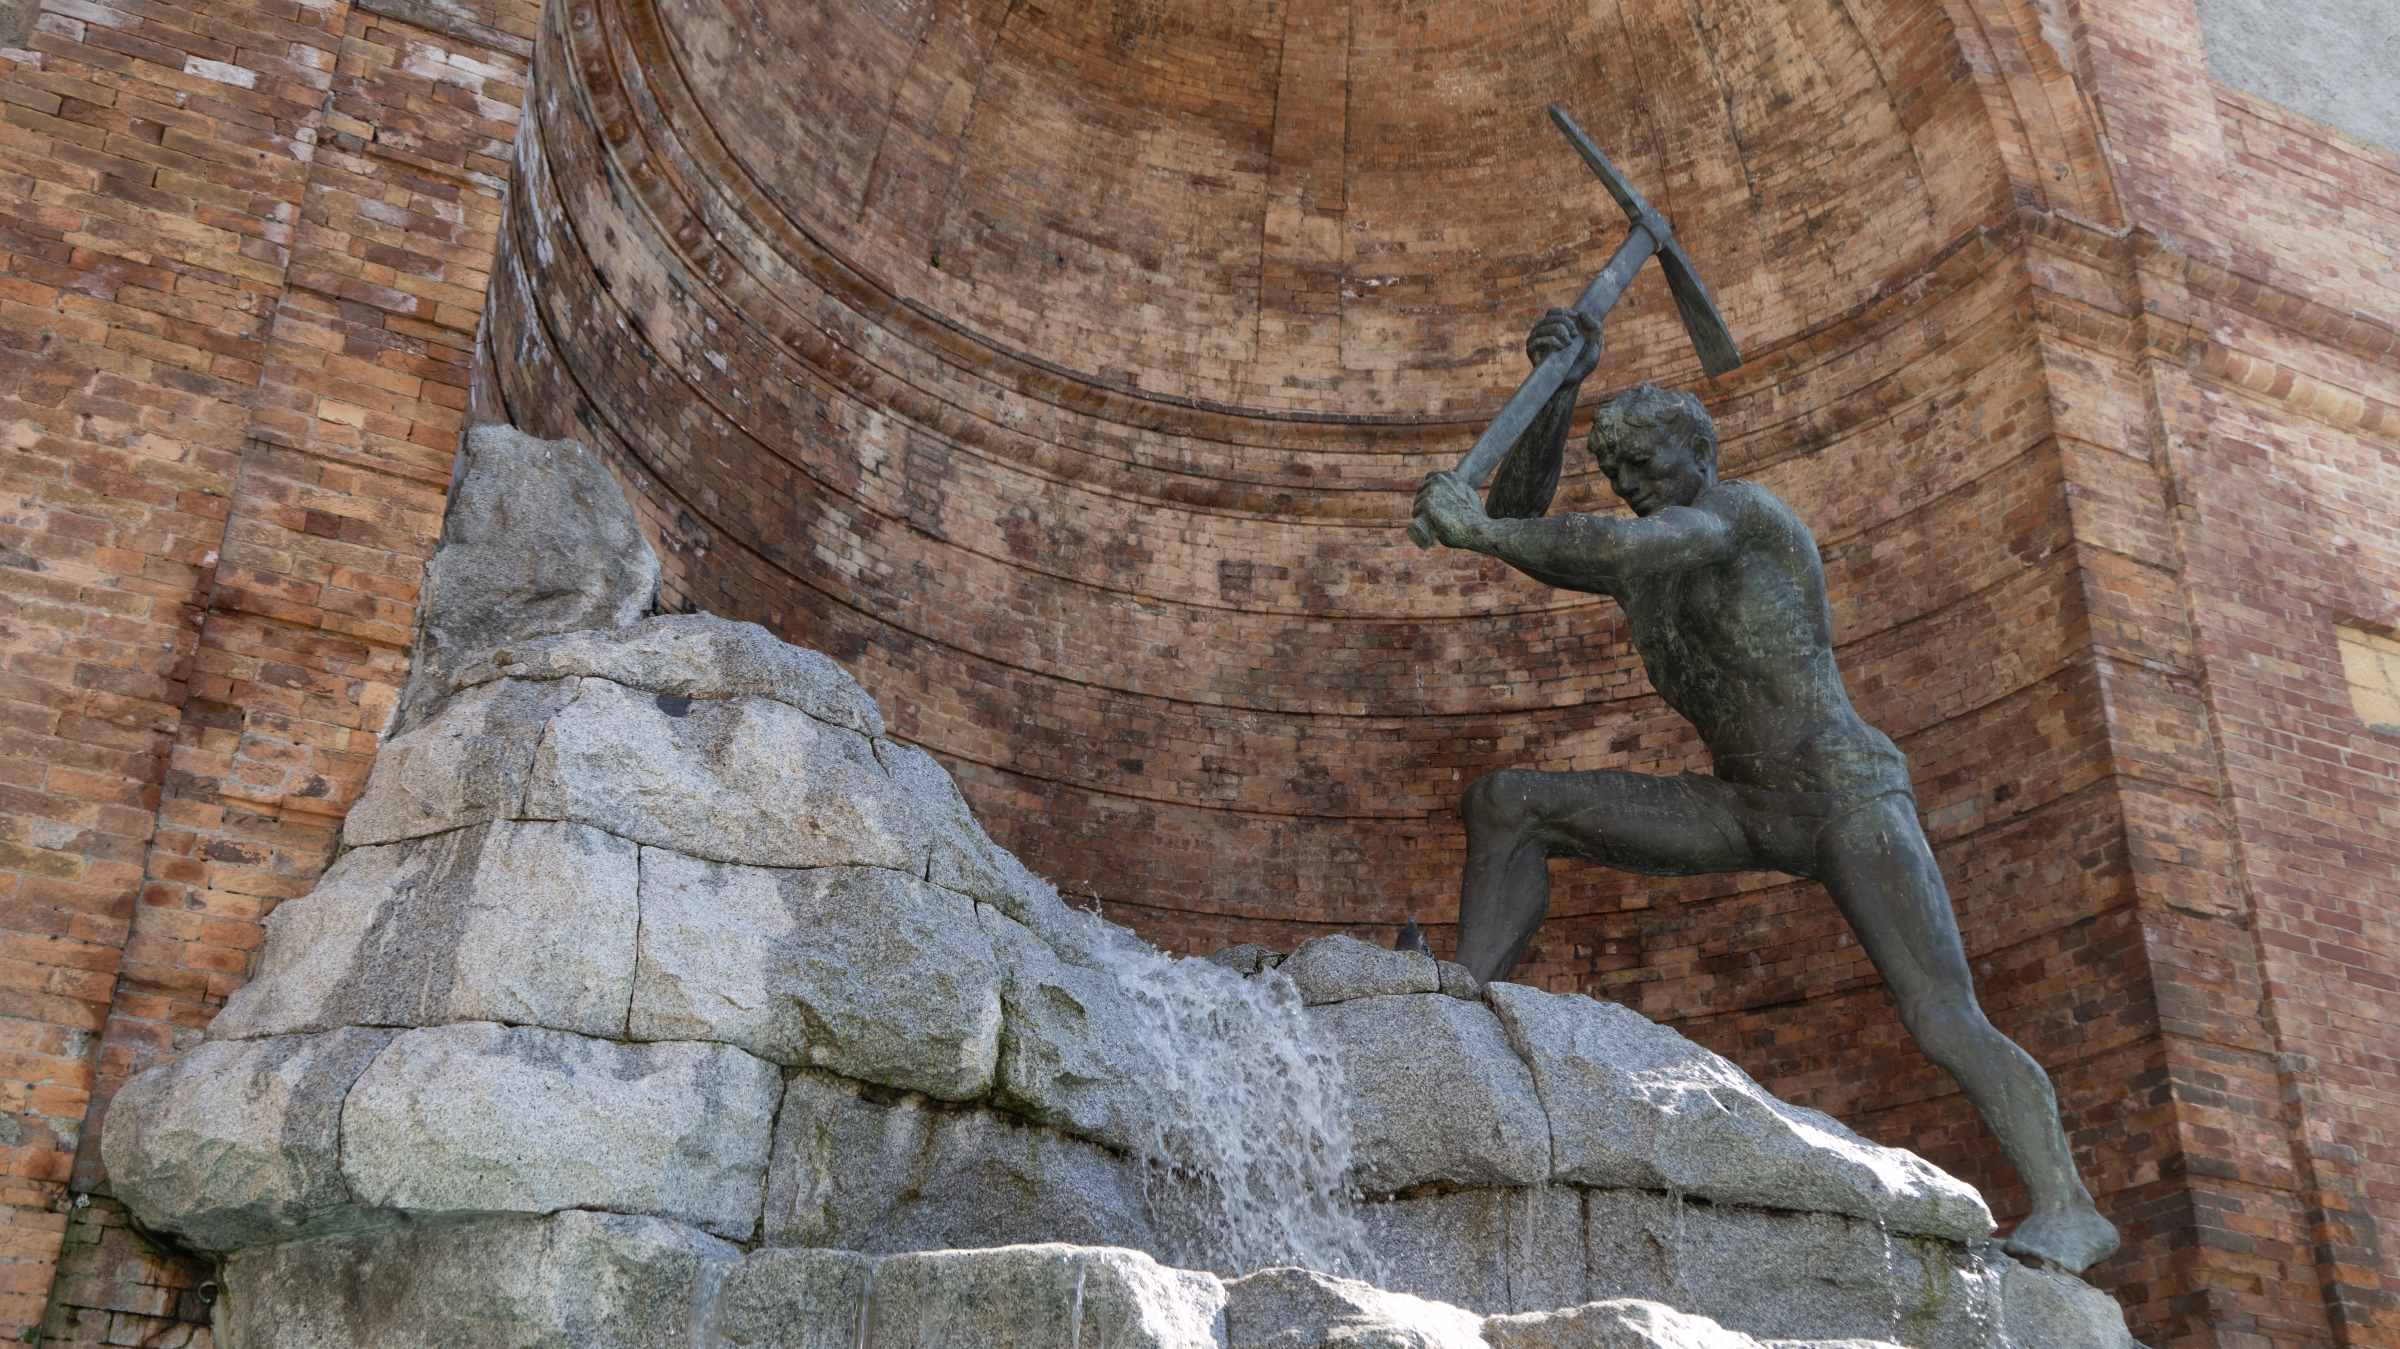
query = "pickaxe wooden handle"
{"x": 1650, "y": 236}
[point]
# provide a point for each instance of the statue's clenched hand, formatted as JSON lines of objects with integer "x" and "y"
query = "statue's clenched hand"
{"x": 1450, "y": 508}
{"x": 1556, "y": 329}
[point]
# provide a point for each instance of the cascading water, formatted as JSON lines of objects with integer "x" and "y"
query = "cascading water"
{"x": 1260, "y": 1143}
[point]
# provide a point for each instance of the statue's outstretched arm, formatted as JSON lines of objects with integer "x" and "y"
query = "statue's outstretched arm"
{"x": 1586, "y": 552}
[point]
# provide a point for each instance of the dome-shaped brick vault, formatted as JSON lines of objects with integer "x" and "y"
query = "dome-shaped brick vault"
{"x": 1065, "y": 369}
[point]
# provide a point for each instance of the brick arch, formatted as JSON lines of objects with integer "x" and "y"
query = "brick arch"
{"x": 1065, "y": 366}
{"x": 1117, "y": 537}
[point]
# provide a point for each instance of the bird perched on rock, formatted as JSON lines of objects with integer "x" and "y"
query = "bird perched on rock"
{"x": 1411, "y": 939}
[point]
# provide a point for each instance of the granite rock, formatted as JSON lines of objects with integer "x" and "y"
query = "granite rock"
{"x": 1634, "y": 1105}
{"x": 237, "y": 1143}
{"x": 1490, "y": 1250}
{"x": 1435, "y": 1093}
{"x": 698, "y": 656}
{"x": 746, "y": 780}
{"x": 585, "y": 1280}
{"x": 1630, "y": 1324}
{"x": 1076, "y": 936}
{"x": 518, "y": 1119}
{"x": 884, "y": 1172}
{"x": 959, "y": 855}
{"x": 1337, "y": 969}
{"x": 1303, "y": 1309}
{"x": 539, "y": 540}
{"x": 529, "y": 924}
{"x": 2045, "y": 1307}
{"x": 1245, "y": 959}
{"x": 1041, "y": 1297}
{"x": 467, "y": 766}
{"x": 867, "y": 972}
{"x": 1074, "y": 1055}
{"x": 1798, "y": 1276}
{"x": 785, "y": 1298}
{"x": 1457, "y": 982}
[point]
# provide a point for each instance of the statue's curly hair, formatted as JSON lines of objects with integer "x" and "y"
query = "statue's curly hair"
{"x": 1644, "y": 406}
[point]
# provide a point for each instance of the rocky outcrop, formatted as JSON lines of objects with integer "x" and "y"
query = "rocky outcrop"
{"x": 1635, "y": 1106}
{"x": 1338, "y": 969}
{"x": 527, "y": 923}
{"x": 538, "y": 540}
{"x": 865, "y": 971}
{"x": 648, "y": 939}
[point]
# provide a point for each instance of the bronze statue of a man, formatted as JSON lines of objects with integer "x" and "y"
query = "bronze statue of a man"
{"x": 1722, "y": 586}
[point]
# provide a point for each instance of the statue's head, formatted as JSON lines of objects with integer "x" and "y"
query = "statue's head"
{"x": 1657, "y": 447}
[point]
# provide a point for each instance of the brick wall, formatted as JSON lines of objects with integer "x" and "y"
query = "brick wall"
{"x": 247, "y": 248}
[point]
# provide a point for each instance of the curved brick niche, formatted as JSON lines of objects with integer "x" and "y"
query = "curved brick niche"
{"x": 1064, "y": 371}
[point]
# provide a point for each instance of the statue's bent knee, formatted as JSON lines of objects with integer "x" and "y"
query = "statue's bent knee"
{"x": 1500, "y": 800}
{"x": 1947, "y": 1028}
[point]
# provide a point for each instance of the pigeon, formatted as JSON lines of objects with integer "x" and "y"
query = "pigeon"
{"x": 1411, "y": 939}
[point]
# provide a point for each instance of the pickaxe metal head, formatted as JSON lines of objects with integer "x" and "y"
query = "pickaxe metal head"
{"x": 1700, "y": 317}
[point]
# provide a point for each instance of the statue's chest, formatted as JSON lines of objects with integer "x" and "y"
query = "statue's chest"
{"x": 1678, "y": 619}
{"x": 1673, "y": 638}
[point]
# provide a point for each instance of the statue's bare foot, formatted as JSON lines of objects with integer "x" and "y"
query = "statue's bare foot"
{"x": 2074, "y": 1239}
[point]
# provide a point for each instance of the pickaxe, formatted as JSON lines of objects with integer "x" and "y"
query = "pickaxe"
{"x": 1650, "y": 235}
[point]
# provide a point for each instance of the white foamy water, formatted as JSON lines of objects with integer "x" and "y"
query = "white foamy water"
{"x": 1259, "y": 1152}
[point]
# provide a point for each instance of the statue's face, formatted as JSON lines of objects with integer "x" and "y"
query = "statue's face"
{"x": 1651, "y": 471}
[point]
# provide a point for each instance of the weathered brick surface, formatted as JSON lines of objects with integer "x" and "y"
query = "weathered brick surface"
{"x": 247, "y": 246}
{"x": 1064, "y": 369}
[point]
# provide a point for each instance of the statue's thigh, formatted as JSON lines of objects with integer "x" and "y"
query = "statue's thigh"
{"x": 1640, "y": 822}
{"x": 1881, "y": 873}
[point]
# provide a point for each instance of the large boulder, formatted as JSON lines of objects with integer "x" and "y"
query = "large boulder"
{"x": 1042, "y": 1297}
{"x": 746, "y": 780}
{"x": 465, "y": 767}
{"x": 882, "y": 1172}
{"x": 1630, "y": 1324}
{"x": 1488, "y": 1249}
{"x": 538, "y": 540}
{"x": 1077, "y": 1054}
{"x": 2045, "y": 1307}
{"x": 1634, "y": 1105}
{"x": 698, "y": 656}
{"x": 516, "y": 1119}
{"x": 1303, "y": 1309}
{"x": 1436, "y": 1095}
{"x": 585, "y": 1280}
{"x": 786, "y": 1298}
{"x": 237, "y": 1143}
{"x": 959, "y": 856}
{"x": 1799, "y": 1276}
{"x": 528, "y": 924}
{"x": 867, "y": 972}
{"x": 1338, "y": 969}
